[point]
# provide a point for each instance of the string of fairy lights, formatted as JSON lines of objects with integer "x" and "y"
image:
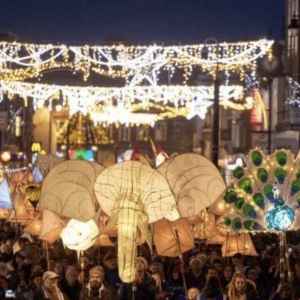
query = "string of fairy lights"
{"x": 108, "y": 104}
{"x": 23, "y": 61}
{"x": 137, "y": 65}
{"x": 294, "y": 98}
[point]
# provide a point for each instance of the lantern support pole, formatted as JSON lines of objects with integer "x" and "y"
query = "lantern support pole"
{"x": 180, "y": 259}
{"x": 281, "y": 256}
{"x": 287, "y": 254}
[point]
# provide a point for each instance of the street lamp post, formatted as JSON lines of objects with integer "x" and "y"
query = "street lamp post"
{"x": 216, "y": 104}
{"x": 216, "y": 123}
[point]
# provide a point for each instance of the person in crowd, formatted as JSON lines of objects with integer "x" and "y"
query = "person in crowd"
{"x": 70, "y": 284}
{"x": 23, "y": 241}
{"x": 20, "y": 262}
{"x": 238, "y": 262}
{"x": 49, "y": 289}
{"x": 85, "y": 264}
{"x": 252, "y": 273}
{"x": 36, "y": 281}
{"x": 217, "y": 264}
{"x": 37, "y": 268}
{"x": 156, "y": 267}
{"x": 283, "y": 292}
{"x": 110, "y": 264}
{"x": 70, "y": 256}
{"x": 195, "y": 277}
{"x": 226, "y": 275}
{"x": 6, "y": 250}
{"x": 212, "y": 289}
{"x": 214, "y": 254}
{"x": 96, "y": 288}
{"x": 174, "y": 282}
{"x": 192, "y": 293}
{"x": 59, "y": 270}
{"x": 241, "y": 288}
{"x": 204, "y": 260}
{"x": 4, "y": 282}
{"x": 22, "y": 292}
{"x": 160, "y": 288}
{"x": 2, "y": 293}
{"x": 143, "y": 285}
{"x": 211, "y": 271}
{"x": 158, "y": 264}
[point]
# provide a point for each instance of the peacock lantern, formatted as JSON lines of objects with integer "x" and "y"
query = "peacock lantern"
{"x": 265, "y": 195}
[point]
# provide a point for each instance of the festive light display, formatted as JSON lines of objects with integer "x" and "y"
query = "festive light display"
{"x": 129, "y": 104}
{"x": 265, "y": 194}
{"x": 294, "y": 98}
{"x": 138, "y": 66}
{"x": 134, "y": 63}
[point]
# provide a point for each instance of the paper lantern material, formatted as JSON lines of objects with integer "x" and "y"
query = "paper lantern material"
{"x": 110, "y": 161}
{"x": 5, "y": 197}
{"x": 103, "y": 240}
{"x": 70, "y": 200}
{"x": 265, "y": 193}
{"x": 20, "y": 214}
{"x": 52, "y": 225}
{"x": 4, "y": 214}
{"x": 194, "y": 180}
{"x": 133, "y": 194}
{"x": 206, "y": 227}
{"x": 218, "y": 207}
{"x": 79, "y": 235}
{"x": 16, "y": 247}
{"x": 165, "y": 238}
{"x": 34, "y": 227}
{"x": 215, "y": 239}
{"x": 68, "y": 189}
{"x": 241, "y": 243}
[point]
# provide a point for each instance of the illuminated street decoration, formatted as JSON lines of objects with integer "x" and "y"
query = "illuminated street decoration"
{"x": 294, "y": 98}
{"x": 134, "y": 63}
{"x": 129, "y": 105}
{"x": 197, "y": 107}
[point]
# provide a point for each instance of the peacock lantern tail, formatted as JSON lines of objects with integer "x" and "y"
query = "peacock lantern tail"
{"x": 265, "y": 195}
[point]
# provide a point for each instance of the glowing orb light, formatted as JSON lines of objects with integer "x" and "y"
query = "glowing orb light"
{"x": 280, "y": 218}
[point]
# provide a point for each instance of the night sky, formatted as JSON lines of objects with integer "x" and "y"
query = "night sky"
{"x": 141, "y": 21}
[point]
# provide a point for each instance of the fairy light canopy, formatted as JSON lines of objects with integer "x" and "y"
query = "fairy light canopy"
{"x": 128, "y": 105}
{"x": 134, "y": 63}
{"x": 145, "y": 98}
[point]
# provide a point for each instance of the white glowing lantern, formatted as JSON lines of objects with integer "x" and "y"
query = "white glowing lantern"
{"x": 79, "y": 235}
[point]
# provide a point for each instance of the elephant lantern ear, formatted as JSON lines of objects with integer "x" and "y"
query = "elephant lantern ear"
{"x": 133, "y": 194}
{"x": 195, "y": 182}
{"x": 68, "y": 189}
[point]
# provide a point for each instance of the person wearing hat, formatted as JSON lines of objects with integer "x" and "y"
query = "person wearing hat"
{"x": 96, "y": 288}
{"x": 195, "y": 277}
{"x": 143, "y": 287}
{"x": 70, "y": 284}
{"x": 36, "y": 281}
{"x": 111, "y": 270}
{"x": 49, "y": 289}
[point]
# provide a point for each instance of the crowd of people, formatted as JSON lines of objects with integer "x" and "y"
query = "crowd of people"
{"x": 37, "y": 271}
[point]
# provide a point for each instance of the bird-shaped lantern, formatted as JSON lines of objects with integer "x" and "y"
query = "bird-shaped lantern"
{"x": 266, "y": 193}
